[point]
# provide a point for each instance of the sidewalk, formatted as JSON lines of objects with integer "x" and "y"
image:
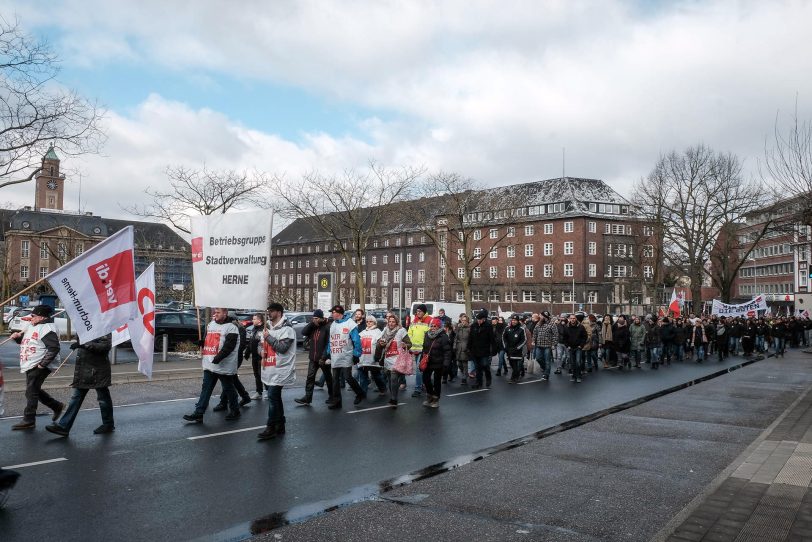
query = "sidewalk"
{"x": 768, "y": 496}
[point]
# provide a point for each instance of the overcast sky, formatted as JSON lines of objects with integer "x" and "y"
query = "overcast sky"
{"x": 491, "y": 90}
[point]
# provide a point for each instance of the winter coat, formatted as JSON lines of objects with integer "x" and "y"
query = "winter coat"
{"x": 439, "y": 351}
{"x": 698, "y": 336}
{"x": 680, "y": 334}
{"x": 461, "y": 342}
{"x": 621, "y": 338}
{"x": 574, "y": 336}
{"x": 667, "y": 333}
{"x": 637, "y": 336}
{"x": 654, "y": 337}
{"x": 480, "y": 339}
{"x": 514, "y": 338}
{"x": 319, "y": 339}
{"x": 498, "y": 332}
{"x": 92, "y": 369}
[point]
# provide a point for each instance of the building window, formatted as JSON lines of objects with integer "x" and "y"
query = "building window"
{"x": 648, "y": 231}
{"x": 460, "y": 254}
{"x": 477, "y": 252}
{"x": 410, "y": 240}
{"x": 511, "y": 231}
{"x": 421, "y": 257}
{"x": 592, "y": 227}
{"x": 476, "y": 295}
{"x": 493, "y": 272}
{"x": 568, "y": 227}
{"x": 384, "y": 277}
{"x": 511, "y": 252}
{"x": 493, "y": 296}
{"x": 408, "y": 276}
{"x": 493, "y": 233}
{"x": 396, "y": 277}
{"x": 620, "y": 270}
{"x": 373, "y": 277}
{"x": 548, "y": 229}
{"x": 494, "y": 253}
{"x": 548, "y": 270}
{"x": 648, "y": 251}
{"x": 569, "y": 247}
{"x": 477, "y": 235}
{"x": 421, "y": 294}
{"x": 460, "y": 272}
{"x": 43, "y": 271}
{"x": 592, "y": 296}
{"x": 43, "y": 252}
{"x": 528, "y": 250}
{"x": 567, "y": 296}
{"x": 477, "y": 273}
{"x": 528, "y": 296}
{"x": 593, "y": 270}
{"x": 511, "y": 295}
{"x": 528, "y": 271}
{"x": 421, "y": 276}
{"x": 24, "y": 272}
{"x": 511, "y": 271}
{"x": 568, "y": 269}
{"x": 608, "y": 228}
{"x": 648, "y": 272}
{"x": 397, "y": 241}
{"x": 397, "y": 258}
{"x": 528, "y": 230}
{"x": 548, "y": 249}
{"x": 408, "y": 257}
{"x": 460, "y": 296}
{"x": 25, "y": 249}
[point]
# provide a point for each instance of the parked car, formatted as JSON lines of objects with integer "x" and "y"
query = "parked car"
{"x": 23, "y": 318}
{"x": 179, "y": 326}
{"x": 298, "y": 320}
{"x": 9, "y": 312}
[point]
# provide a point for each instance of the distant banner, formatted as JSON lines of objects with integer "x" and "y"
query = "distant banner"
{"x": 750, "y": 308}
{"x": 231, "y": 259}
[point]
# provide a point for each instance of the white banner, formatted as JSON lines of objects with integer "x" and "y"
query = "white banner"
{"x": 750, "y": 308}
{"x": 98, "y": 287}
{"x": 231, "y": 259}
{"x": 141, "y": 331}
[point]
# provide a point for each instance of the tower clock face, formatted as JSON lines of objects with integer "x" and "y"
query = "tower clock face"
{"x": 52, "y": 184}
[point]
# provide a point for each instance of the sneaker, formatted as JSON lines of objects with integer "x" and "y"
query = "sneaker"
{"x": 23, "y": 425}
{"x": 219, "y": 407}
{"x": 417, "y": 393}
{"x": 234, "y": 415}
{"x": 577, "y": 380}
{"x": 545, "y": 378}
{"x": 302, "y": 401}
{"x": 195, "y": 418}
{"x": 265, "y": 395}
{"x": 427, "y": 402}
{"x": 57, "y": 429}
{"x": 334, "y": 406}
{"x": 557, "y": 371}
{"x": 488, "y": 384}
{"x": 393, "y": 403}
{"x": 572, "y": 378}
{"x": 103, "y": 429}
{"x": 255, "y": 396}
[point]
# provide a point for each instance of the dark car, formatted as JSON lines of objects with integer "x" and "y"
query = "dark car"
{"x": 403, "y": 314}
{"x": 179, "y": 327}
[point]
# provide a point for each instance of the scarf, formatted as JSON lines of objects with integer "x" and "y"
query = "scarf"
{"x": 432, "y": 334}
{"x": 607, "y": 331}
{"x": 389, "y": 334}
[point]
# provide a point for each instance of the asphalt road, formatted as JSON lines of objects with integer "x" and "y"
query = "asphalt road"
{"x": 158, "y": 478}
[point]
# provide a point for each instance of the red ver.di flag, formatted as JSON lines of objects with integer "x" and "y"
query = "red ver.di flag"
{"x": 141, "y": 331}
{"x": 97, "y": 288}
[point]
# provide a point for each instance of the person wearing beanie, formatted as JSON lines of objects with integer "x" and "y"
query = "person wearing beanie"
{"x": 368, "y": 364}
{"x": 417, "y": 333}
{"x": 318, "y": 331}
{"x": 344, "y": 346}
{"x": 278, "y": 367}
{"x": 39, "y": 348}
{"x": 514, "y": 340}
{"x": 437, "y": 349}
{"x": 480, "y": 348}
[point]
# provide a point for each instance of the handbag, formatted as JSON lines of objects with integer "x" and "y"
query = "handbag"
{"x": 424, "y": 359}
{"x": 404, "y": 364}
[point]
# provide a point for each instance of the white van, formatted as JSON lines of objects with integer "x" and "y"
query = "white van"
{"x": 452, "y": 310}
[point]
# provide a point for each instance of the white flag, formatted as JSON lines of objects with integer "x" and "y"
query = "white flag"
{"x": 231, "y": 259}
{"x": 141, "y": 331}
{"x": 121, "y": 335}
{"x": 98, "y": 287}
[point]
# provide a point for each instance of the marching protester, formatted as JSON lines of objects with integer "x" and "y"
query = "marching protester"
{"x": 499, "y": 327}
{"x": 392, "y": 342}
{"x": 91, "y": 372}
{"x": 722, "y": 340}
{"x": 575, "y": 338}
{"x": 344, "y": 348}
{"x": 437, "y": 355}
{"x": 368, "y": 364}
{"x": 252, "y": 351}
{"x": 699, "y": 340}
{"x": 480, "y": 347}
{"x": 606, "y": 341}
{"x": 654, "y": 343}
{"x": 561, "y": 360}
{"x": 417, "y": 332}
{"x": 514, "y": 340}
{"x": 637, "y": 338}
{"x": 460, "y": 345}
{"x": 245, "y": 398}
{"x": 451, "y": 371}
{"x": 545, "y": 337}
{"x": 219, "y": 359}
{"x": 318, "y": 331}
{"x": 278, "y": 367}
{"x": 39, "y": 348}
{"x": 621, "y": 342}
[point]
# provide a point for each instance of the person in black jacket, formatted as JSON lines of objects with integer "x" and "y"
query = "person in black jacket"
{"x": 514, "y": 338}
{"x": 254, "y": 341}
{"x": 667, "y": 335}
{"x": 499, "y": 327}
{"x": 621, "y": 340}
{"x": 318, "y": 331}
{"x": 480, "y": 345}
{"x": 92, "y": 372}
{"x": 575, "y": 337}
{"x": 438, "y": 354}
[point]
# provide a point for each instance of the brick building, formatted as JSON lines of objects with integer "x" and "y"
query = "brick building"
{"x": 569, "y": 244}
{"x": 36, "y": 241}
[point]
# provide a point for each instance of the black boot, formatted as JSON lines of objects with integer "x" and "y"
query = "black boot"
{"x": 269, "y": 433}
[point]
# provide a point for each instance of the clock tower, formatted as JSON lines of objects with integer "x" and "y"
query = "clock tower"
{"x": 50, "y": 184}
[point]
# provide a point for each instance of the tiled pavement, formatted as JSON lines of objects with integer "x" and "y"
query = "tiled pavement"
{"x": 768, "y": 496}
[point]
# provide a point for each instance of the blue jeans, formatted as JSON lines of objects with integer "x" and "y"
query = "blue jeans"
{"x": 679, "y": 352}
{"x": 656, "y": 351}
{"x": 502, "y": 364}
{"x": 483, "y": 368}
{"x": 700, "y": 352}
{"x": 562, "y": 352}
{"x": 591, "y": 357}
{"x": 276, "y": 410}
{"x": 780, "y": 345}
{"x": 363, "y": 378}
{"x": 732, "y": 344}
{"x": 576, "y": 361}
{"x": 418, "y": 374}
{"x": 760, "y": 343}
{"x": 105, "y": 405}
{"x": 544, "y": 357}
{"x": 209, "y": 381}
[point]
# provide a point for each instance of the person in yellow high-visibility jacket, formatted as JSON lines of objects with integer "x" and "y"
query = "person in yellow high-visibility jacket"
{"x": 417, "y": 333}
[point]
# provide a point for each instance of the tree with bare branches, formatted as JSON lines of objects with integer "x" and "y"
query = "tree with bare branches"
{"x": 787, "y": 165}
{"x": 348, "y": 209}
{"x": 201, "y": 192}
{"x": 35, "y": 112}
{"x": 691, "y": 196}
{"x": 464, "y": 213}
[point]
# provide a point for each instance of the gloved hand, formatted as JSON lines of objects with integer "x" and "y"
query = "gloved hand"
{"x": 355, "y": 360}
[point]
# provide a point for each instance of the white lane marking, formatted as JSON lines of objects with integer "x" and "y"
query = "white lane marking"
{"x": 466, "y": 392}
{"x": 226, "y": 433}
{"x": 371, "y": 408}
{"x": 150, "y": 403}
{"x": 35, "y": 463}
{"x": 529, "y": 381}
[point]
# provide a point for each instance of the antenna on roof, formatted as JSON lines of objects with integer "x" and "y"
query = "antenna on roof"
{"x": 563, "y": 163}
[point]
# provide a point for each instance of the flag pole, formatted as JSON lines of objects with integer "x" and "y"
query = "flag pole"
{"x": 64, "y": 361}
{"x": 29, "y": 287}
